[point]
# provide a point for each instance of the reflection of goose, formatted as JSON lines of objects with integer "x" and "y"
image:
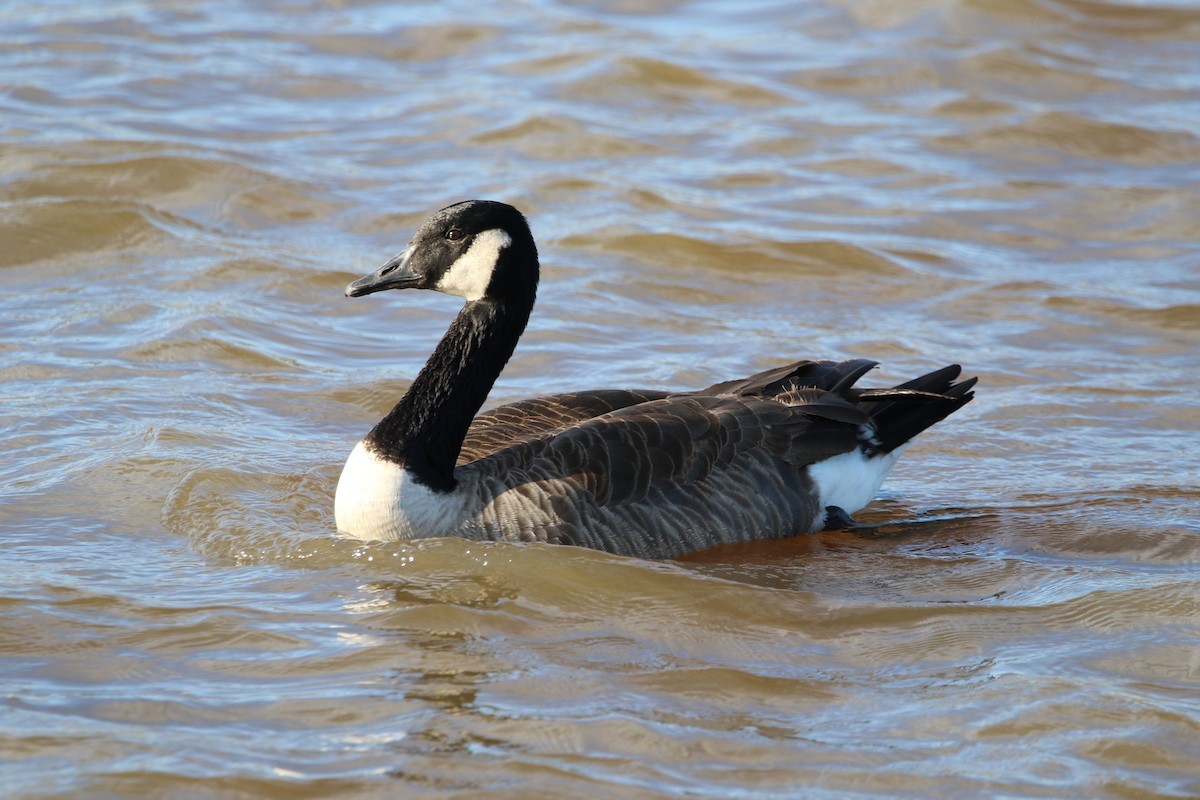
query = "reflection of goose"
{"x": 645, "y": 473}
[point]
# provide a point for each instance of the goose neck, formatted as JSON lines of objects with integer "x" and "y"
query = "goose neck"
{"x": 425, "y": 431}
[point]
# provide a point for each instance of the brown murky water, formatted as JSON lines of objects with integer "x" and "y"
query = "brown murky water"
{"x": 185, "y": 187}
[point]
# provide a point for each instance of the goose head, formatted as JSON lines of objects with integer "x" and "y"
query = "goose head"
{"x": 475, "y": 249}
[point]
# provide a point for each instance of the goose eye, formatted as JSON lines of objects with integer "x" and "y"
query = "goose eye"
{"x": 454, "y": 234}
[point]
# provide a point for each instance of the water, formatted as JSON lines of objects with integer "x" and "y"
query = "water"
{"x": 186, "y": 187}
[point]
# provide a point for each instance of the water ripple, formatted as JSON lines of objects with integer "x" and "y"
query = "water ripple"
{"x": 715, "y": 188}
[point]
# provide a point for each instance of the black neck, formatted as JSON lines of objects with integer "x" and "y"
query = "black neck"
{"x": 425, "y": 431}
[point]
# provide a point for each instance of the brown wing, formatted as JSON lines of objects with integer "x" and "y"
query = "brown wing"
{"x": 532, "y": 419}
{"x": 617, "y": 457}
{"x": 802, "y": 382}
{"x": 527, "y": 420}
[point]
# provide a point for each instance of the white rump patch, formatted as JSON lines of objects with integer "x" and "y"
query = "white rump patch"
{"x": 851, "y": 480}
{"x": 377, "y": 500}
{"x": 469, "y": 276}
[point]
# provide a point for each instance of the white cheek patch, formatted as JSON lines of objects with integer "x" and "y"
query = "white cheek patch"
{"x": 470, "y": 275}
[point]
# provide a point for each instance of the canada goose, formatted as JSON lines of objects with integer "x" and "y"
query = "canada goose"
{"x": 644, "y": 473}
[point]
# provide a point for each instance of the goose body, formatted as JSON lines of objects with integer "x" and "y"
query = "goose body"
{"x": 639, "y": 472}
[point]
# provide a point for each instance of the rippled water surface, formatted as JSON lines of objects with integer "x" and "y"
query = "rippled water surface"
{"x": 716, "y": 187}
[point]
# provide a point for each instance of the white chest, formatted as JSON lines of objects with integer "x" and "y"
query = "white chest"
{"x": 379, "y": 500}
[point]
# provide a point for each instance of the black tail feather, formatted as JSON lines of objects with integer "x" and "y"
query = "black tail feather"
{"x": 898, "y": 413}
{"x": 899, "y": 419}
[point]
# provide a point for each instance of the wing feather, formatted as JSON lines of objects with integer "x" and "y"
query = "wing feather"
{"x": 534, "y": 418}
{"x": 620, "y": 456}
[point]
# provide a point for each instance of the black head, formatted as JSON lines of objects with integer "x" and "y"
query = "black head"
{"x": 473, "y": 249}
